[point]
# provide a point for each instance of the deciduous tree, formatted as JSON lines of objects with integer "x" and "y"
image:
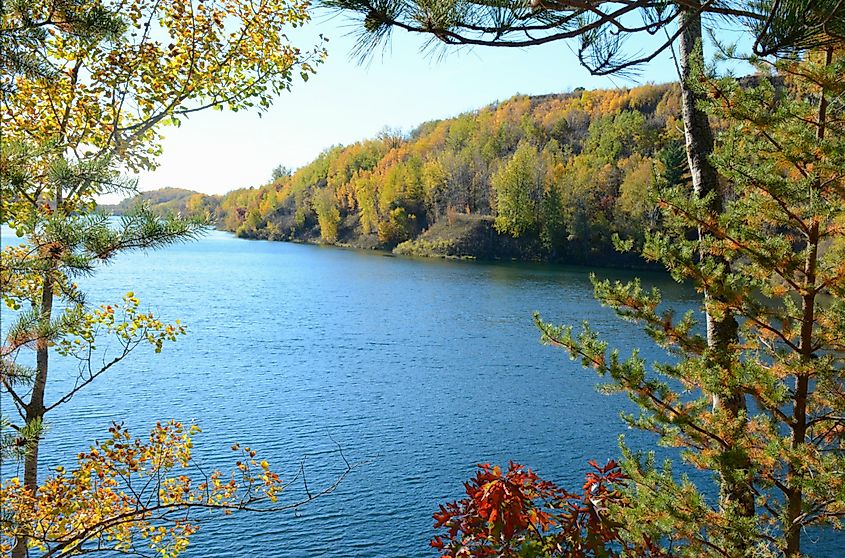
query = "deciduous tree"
{"x": 138, "y": 496}
{"x": 328, "y": 216}
{"x": 519, "y": 186}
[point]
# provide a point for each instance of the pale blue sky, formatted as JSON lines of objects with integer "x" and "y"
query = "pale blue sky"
{"x": 214, "y": 152}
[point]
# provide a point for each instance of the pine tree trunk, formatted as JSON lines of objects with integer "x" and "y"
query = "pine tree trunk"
{"x": 795, "y": 497}
{"x": 35, "y": 407}
{"x": 736, "y": 488}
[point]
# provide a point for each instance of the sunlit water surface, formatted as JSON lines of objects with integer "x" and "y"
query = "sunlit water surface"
{"x": 422, "y": 368}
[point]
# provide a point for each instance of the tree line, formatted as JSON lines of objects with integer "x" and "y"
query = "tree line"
{"x": 560, "y": 173}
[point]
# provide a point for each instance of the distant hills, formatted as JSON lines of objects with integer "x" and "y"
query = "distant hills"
{"x": 164, "y": 200}
{"x": 549, "y": 177}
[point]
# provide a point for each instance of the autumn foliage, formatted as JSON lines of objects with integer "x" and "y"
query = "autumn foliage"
{"x": 516, "y": 513}
{"x": 561, "y": 173}
{"x": 131, "y": 495}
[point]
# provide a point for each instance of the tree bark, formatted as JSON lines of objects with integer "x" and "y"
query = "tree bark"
{"x": 736, "y": 487}
{"x": 795, "y": 497}
{"x": 35, "y": 408}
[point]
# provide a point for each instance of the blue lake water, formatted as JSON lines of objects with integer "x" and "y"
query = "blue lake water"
{"x": 423, "y": 368}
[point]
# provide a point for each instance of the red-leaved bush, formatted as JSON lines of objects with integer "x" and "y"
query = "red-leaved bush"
{"x": 515, "y": 513}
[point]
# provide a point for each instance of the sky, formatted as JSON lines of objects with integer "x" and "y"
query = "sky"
{"x": 215, "y": 152}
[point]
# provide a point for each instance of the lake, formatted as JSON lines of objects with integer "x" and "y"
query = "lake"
{"x": 422, "y": 368}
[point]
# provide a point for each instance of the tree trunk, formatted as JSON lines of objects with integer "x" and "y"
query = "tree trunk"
{"x": 721, "y": 333}
{"x": 35, "y": 407}
{"x": 795, "y": 497}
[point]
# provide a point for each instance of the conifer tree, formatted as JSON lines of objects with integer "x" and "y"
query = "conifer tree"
{"x": 783, "y": 154}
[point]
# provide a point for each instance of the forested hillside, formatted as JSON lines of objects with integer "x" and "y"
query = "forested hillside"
{"x": 163, "y": 201}
{"x": 544, "y": 178}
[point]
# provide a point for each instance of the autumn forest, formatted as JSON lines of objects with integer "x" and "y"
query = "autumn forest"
{"x": 549, "y": 178}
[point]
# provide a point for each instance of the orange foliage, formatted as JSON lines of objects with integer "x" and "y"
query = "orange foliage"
{"x": 126, "y": 493}
{"x": 515, "y": 512}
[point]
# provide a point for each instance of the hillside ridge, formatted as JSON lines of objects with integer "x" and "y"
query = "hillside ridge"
{"x": 548, "y": 177}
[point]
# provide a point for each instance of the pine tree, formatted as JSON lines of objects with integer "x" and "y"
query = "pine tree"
{"x": 783, "y": 154}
